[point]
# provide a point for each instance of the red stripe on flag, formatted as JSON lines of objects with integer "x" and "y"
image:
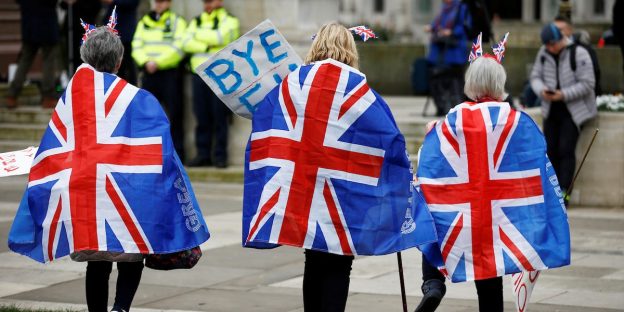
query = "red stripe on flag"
{"x": 353, "y": 99}
{"x": 450, "y": 242}
{"x": 53, "y": 226}
{"x": 503, "y": 138}
{"x": 290, "y": 107}
{"x": 125, "y": 216}
{"x": 335, "y": 217}
{"x": 59, "y": 125}
{"x": 263, "y": 211}
{"x": 112, "y": 98}
{"x": 450, "y": 138}
{"x": 515, "y": 250}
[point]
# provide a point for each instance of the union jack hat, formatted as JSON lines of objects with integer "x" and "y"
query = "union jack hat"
{"x": 498, "y": 50}
{"x": 112, "y": 23}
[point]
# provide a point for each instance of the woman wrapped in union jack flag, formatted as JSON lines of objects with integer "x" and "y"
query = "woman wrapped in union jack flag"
{"x": 491, "y": 190}
{"x": 106, "y": 184}
{"x": 327, "y": 170}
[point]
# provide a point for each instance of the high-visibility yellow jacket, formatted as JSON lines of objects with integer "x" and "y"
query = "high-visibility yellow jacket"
{"x": 208, "y": 33}
{"x": 159, "y": 40}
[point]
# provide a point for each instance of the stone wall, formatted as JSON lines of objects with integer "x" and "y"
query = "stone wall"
{"x": 387, "y": 66}
{"x": 600, "y": 182}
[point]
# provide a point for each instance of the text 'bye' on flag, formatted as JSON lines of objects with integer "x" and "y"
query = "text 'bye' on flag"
{"x": 327, "y": 169}
{"x": 106, "y": 177}
{"x": 493, "y": 194}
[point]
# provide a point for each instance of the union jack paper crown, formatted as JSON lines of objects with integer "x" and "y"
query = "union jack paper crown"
{"x": 112, "y": 23}
{"x": 498, "y": 49}
{"x": 493, "y": 194}
{"x": 364, "y": 32}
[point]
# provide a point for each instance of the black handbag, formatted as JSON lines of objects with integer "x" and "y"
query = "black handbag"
{"x": 184, "y": 259}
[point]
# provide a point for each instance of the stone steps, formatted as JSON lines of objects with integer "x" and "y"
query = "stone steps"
{"x": 24, "y": 126}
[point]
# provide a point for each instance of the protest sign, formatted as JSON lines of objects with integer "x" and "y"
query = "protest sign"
{"x": 243, "y": 72}
{"x": 16, "y": 163}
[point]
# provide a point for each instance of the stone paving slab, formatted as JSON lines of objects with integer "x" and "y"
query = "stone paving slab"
{"x": 226, "y": 301}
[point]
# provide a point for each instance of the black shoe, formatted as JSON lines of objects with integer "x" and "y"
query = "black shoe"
{"x": 199, "y": 162}
{"x": 433, "y": 292}
{"x": 220, "y": 164}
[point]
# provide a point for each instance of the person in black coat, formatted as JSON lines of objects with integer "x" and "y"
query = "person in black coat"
{"x": 40, "y": 31}
{"x": 87, "y": 10}
{"x": 618, "y": 23}
{"x": 126, "y": 25}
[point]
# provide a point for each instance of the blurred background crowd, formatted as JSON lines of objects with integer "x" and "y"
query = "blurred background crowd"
{"x": 422, "y": 49}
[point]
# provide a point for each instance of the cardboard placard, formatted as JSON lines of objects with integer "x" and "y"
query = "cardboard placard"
{"x": 243, "y": 72}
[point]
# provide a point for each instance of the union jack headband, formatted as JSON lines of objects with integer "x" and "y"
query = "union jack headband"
{"x": 112, "y": 23}
{"x": 497, "y": 49}
{"x": 364, "y": 32}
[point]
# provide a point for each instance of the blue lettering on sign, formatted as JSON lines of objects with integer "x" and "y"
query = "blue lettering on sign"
{"x": 219, "y": 78}
{"x": 272, "y": 46}
{"x": 247, "y": 57}
{"x": 292, "y": 67}
{"x": 243, "y": 99}
{"x": 277, "y": 78}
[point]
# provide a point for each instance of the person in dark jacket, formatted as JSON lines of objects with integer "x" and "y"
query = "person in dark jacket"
{"x": 618, "y": 23}
{"x": 87, "y": 10}
{"x": 126, "y": 25}
{"x": 40, "y": 31}
{"x": 448, "y": 52}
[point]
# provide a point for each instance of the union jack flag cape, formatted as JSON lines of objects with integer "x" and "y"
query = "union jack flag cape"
{"x": 327, "y": 169}
{"x": 106, "y": 177}
{"x": 493, "y": 194}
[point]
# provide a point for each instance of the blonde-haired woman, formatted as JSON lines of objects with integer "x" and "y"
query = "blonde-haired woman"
{"x": 326, "y": 276}
{"x": 327, "y": 170}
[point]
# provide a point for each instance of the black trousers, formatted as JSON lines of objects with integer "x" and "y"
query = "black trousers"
{"x": 212, "y": 119}
{"x": 25, "y": 60}
{"x": 128, "y": 279}
{"x": 489, "y": 291}
{"x": 561, "y": 137}
{"x": 326, "y": 281}
{"x": 447, "y": 87}
{"x": 163, "y": 84}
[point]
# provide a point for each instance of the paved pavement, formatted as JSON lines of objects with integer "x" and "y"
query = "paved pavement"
{"x": 232, "y": 278}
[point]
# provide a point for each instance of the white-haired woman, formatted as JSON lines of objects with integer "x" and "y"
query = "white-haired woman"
{"x": 485, "y": 82}
{"x": 103, "y": 50}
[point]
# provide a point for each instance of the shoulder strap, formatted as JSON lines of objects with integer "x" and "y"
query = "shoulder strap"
{"x": 573, "y": 57}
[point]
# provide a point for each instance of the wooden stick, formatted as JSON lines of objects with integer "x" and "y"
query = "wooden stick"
{"x": 569, "y": 191}
{"x": 402, "y": 281}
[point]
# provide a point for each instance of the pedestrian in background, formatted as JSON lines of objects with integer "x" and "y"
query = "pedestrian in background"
{"x": 618, "y": 23}
{"x": 157, "y": 51}
{"x": 447, "y": 56}
{"x": 208, "y": 33}
{"x": 127, "y": 21}
{"x": 40, "y": 31}
{"x": 85, "y": 10}
{"x": 567, "y": 97}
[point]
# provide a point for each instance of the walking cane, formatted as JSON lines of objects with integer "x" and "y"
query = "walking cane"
{"x": 569, "y": 191}
{"x": 402, "y": 281}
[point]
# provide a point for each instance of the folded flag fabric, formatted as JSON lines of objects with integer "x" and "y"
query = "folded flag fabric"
{"x": 326, "y": 168}
{"x": 106, "y": 177}
{"x": 493, "y": 194}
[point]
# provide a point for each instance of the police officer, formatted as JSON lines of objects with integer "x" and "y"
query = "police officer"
{"x": 207, "y": 34}
{"x": 157, "y": 50}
